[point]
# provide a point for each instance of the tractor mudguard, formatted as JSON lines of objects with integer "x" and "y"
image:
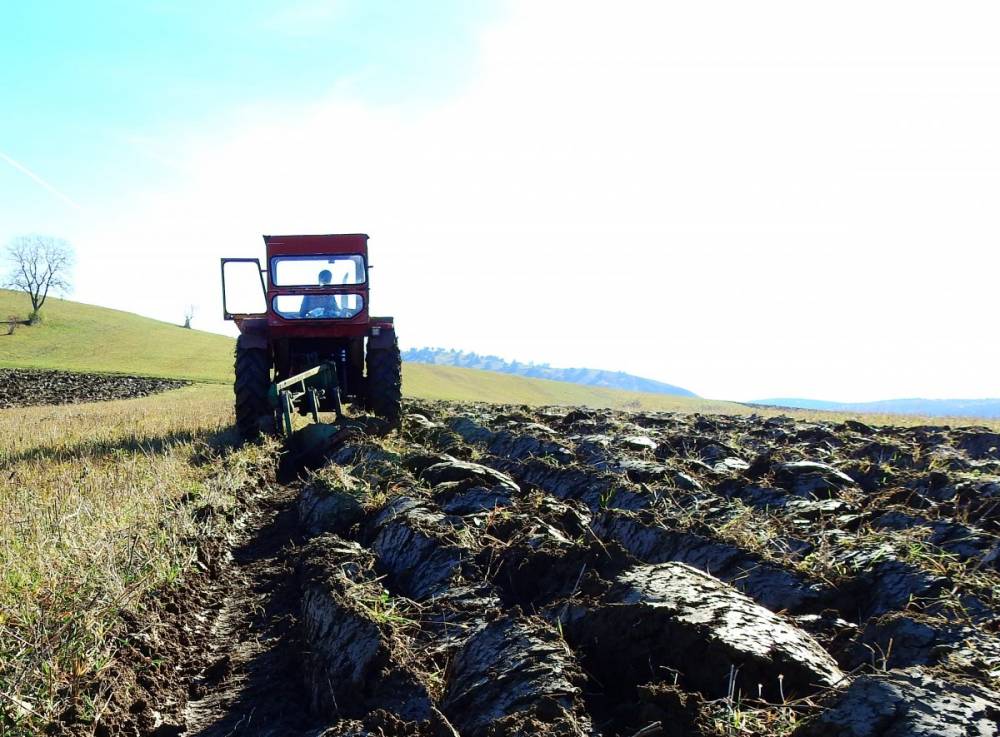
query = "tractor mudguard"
{"x": 385, "y": 338}
{"x": 252, "y": 340}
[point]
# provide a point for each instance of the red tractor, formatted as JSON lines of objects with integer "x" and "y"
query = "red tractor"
{"x": 307, "y": 340}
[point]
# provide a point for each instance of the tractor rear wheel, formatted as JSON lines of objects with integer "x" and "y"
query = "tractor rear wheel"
{"x": 385, "y": 382}
{"x": 254, "y": 415}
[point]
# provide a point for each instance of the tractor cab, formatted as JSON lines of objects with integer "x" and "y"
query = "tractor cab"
{"x": 320, "y": 279}
{"x": 305, "y": 277}
{"x": 306, "y": 308}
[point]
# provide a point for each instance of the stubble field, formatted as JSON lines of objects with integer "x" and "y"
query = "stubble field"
{"x": 497, "y": 570}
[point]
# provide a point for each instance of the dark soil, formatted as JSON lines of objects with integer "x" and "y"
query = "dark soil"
{"x": 26, "y": 387}
{"x": 497, "y": 571}
{"x": 222, "y": 654}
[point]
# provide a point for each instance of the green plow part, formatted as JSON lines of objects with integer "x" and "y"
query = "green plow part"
{"x": 311, "y": 386}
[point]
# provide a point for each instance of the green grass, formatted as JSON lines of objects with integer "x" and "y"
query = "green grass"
{"x": 79, "y": 337}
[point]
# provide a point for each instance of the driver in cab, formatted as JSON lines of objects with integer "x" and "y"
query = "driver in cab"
{"x": 320, "y": 305}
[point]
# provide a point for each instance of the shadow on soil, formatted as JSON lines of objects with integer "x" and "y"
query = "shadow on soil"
{"x": 254, "y": 686}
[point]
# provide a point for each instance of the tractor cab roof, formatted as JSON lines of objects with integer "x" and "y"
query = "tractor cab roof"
{"x": 299, "y": 245}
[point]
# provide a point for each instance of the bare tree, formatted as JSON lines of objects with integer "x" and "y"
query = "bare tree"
{"x": 188, "y": 316}
{"x": 39, "y": 264}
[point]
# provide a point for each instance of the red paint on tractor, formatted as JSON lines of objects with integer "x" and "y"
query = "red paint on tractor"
{"x": 316, "y": 245}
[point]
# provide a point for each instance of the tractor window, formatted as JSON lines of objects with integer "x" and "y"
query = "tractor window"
{"x": 318, "y": 306}
{"x": 311, "y": 271}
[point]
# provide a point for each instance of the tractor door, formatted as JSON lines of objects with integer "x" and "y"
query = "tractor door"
{"x": 243, "y": 290}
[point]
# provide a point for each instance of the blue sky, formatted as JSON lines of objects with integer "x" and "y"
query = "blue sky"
{"x": 759, "y": 199}
{"x": 85, "y": 83}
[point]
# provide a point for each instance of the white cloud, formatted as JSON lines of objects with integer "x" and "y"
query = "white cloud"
{"x": 748, "y": 199}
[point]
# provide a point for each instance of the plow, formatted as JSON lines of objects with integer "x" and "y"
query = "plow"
{"x": 308, "y": 342}
{"x": 312, "y": 386}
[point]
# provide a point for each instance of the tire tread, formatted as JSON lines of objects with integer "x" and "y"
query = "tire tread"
{"x": 254, "y": 415}
{"x": 385, "y": 382}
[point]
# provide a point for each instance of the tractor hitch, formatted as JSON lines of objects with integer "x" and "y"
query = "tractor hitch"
{"x": 311, "y": 444}
{"x": 311, "y": 386}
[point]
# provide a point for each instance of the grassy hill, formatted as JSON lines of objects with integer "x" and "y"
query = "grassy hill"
{"x": 81, "y": 337}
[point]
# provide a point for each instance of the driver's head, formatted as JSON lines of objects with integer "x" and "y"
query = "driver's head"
{"x": 325, "y": 277}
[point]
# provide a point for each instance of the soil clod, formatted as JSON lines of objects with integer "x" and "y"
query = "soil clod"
{"x": 516, "y": 676}
{"x": 670, "y": 618}
{"x": 908, "y": 703}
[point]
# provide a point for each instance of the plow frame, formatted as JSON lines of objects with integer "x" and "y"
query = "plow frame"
{"x": 311, "y": 385}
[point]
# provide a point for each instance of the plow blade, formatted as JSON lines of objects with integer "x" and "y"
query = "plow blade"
{"x": 312, "y": 445}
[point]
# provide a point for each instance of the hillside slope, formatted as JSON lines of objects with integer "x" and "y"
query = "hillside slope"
{"x": 81, "y": 337}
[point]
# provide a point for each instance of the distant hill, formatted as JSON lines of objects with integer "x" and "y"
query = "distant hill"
{"x": 584, "y": 376}
{"x": 81, "y": 337}
{"x": 424, "y": 381}
{"x": 985, "y": 408}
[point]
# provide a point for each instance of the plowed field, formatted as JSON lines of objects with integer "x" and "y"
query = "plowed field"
{"x": 26, "y": 387}
{"x": 497, "y": 571}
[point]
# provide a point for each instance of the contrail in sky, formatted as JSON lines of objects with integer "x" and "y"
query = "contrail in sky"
{"x": 27, "y": 172}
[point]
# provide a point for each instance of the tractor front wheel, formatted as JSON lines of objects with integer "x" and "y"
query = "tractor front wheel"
{"x": 385, "y": 382}
{"x": 254, "y": 415}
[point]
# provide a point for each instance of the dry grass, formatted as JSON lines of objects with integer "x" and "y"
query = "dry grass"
{"x": 96, "y": 506}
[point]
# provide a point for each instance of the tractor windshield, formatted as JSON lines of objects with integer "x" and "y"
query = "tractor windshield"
{"x": 318, "y": 306}
{"x": 311, "y": 271}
